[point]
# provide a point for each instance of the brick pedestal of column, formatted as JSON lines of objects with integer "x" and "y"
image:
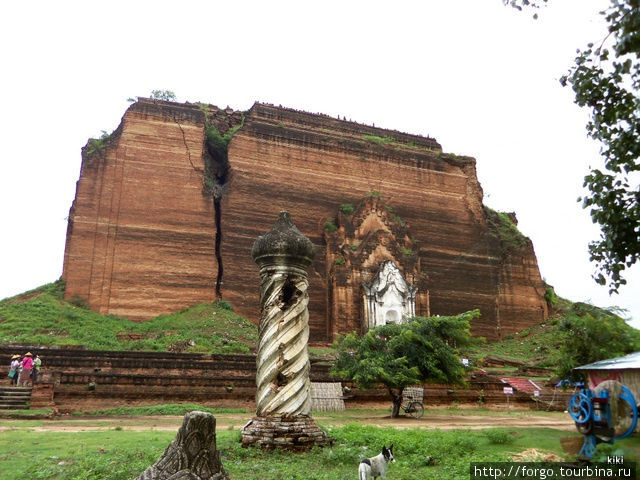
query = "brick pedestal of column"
{"x": 294, "y": 433}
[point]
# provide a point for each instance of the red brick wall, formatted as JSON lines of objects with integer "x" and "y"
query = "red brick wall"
{"x": 141, "y": 232}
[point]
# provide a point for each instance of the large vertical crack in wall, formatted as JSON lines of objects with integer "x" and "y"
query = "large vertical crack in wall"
{"x": 218, "y": 245}
{"x": 217, "y": 173}
{"x": 215, "y": 178}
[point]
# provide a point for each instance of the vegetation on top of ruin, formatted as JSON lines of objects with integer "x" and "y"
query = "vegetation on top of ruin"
{"x": 217, "y": 164}
{"x": 96, "y": 145}
{"x": 387, "y": 141}
{"x": 550, "y": 296}
{"x": 166, "y": 95}
{"x": 464, "y": 159}
{"x": 347, "y": 208}
{"x": 329, "y": 226}
{"x": 394, "y": 216}
{"x": 42, "y": 317}
{"x": 502, "y": 228}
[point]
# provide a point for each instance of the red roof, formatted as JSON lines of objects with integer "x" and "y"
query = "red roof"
{"x": 522, "y": 384}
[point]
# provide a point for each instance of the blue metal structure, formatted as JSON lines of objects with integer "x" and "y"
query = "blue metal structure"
{"x": 591, "y": 410}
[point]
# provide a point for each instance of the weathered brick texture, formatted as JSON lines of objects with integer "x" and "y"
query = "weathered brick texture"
{"x": 141, "y": 230}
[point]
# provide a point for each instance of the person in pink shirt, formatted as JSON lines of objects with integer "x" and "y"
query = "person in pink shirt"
{"x": 27, "y": 365}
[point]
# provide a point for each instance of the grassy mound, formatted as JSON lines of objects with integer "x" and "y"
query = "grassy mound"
{"x": 576, "y": 334}
{"x": 532, "y": 345}
{"x": 42, "y": 317}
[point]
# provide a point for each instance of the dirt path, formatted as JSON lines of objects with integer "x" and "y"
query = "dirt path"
{"x": 226, "y": 421}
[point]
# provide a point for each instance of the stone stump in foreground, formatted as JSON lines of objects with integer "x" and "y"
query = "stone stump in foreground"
{"x": 283, "y": 416}
{"x": 192, "y": 455}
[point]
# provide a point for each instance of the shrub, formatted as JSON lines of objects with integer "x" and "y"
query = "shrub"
{"x": 166, "y": 95}
{"x": 347, "y": 208}
{"x": 223, "y": 304}
{"x": 340, "y": 261}
{"x": 498, "y": 437}
{"x": 550, "y": 296}
{"x": 95, "y": 145}
{"x": 329, "y": 226}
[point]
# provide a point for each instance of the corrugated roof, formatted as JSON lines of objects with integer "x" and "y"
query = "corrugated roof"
{"x": 621, "y": 363}
{"x": 522, "y": 384}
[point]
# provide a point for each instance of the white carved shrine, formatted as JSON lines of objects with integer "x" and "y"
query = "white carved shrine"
{"x": 388, "y": 298}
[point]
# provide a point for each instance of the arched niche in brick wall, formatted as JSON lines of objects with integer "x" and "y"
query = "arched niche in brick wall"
{"x": 364, "y": 242}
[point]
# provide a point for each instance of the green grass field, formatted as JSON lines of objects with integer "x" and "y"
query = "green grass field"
{"x": 120, "y": 454}
{"x": 164, "y": 409}
{"x": 117, "y": 448}
{"x": 117, "y": 454}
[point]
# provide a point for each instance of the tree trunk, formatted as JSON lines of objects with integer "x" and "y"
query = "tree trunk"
{"x": 397, "y": 401}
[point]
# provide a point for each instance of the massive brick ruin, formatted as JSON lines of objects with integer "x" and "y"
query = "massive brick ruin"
{"x": 159, "y": 210}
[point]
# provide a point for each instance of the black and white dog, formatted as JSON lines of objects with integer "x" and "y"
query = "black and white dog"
{"x": 375, "y": 467}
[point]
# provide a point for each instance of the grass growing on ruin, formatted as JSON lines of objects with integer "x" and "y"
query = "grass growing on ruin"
{"x": 124, "y": 454}
{"x": 393, "y": 142}
{"x": 36, "y": 412}
{"x": 164, "y": 409}
{"x": 565, "y": 340}
{"x": 502, "y": 228}
{"x": 529, "y": 345}
{"x": 42, "y": 317}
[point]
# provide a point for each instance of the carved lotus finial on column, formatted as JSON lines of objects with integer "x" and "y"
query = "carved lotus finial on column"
{"x": 283, "y": 245}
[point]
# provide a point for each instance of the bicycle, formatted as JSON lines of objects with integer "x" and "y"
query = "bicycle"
{"x": 413, "y": 408}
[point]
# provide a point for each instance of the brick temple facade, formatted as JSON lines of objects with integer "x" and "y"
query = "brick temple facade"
{"x": 157, "y": 213}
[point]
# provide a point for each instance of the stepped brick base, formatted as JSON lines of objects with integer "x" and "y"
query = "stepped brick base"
{"x": 296, "y": 433}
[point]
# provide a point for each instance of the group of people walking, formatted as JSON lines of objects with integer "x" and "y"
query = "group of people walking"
{"x": 24, "y": 370}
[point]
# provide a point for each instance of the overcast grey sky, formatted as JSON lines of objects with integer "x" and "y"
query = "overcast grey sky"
{"x": 479, "y": 77}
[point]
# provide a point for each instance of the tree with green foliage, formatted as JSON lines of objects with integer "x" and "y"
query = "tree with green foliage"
{"x": 400, "y": 355}
{"x": 520, "y": 4}
{"x": 588, "y": 334}
{"x": 166, "y": 95}
{"x": 606, "y": 80}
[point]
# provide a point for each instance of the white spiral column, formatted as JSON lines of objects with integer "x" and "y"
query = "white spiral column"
{"x": 283, "y": 402}
{"x": 283, "y": 362}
